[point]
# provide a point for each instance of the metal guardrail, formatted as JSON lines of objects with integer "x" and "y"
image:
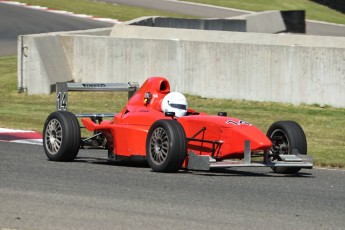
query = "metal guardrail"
{"x": 62, "y": 89}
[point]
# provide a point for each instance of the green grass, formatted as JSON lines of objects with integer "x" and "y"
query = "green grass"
{"x": 324, "y": 127}
{"x": 22, "y": 111}
{"x": 122, "y": 12}
{"x": 100, "y": 9}
{"x": 313, "y": 10}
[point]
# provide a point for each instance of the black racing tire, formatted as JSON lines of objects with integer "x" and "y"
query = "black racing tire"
{"x": 286, "y": 136}
{"x": 166, "y": 146}
{"x": 61, "y": 136}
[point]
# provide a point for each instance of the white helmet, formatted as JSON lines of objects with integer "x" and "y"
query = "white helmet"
{"x": 175, "y": 102}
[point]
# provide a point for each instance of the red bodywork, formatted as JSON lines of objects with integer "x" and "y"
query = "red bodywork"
{"x": 217, "y": 136}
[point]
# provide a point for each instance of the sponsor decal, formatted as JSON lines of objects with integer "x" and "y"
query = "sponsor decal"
{"x": 239, "y": 122}
{"x": 93, "y": 85}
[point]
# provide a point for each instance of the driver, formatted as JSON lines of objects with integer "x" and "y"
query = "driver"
{"x": 175, "y": 102}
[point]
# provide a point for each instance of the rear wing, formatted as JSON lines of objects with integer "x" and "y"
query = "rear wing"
{"x": 62, "y": 89}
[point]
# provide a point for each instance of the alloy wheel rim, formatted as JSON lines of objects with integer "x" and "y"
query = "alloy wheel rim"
{"x": 53, "y": 136}
{"x": 159, "y": 146}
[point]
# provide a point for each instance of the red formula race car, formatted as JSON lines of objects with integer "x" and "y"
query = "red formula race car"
{"x": 156, "y": 125}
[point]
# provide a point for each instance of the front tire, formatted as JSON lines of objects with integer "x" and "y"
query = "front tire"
{"x": 166, "y": 146}
{"x": 61, "y": 136}
{"x": 287, "y": 136}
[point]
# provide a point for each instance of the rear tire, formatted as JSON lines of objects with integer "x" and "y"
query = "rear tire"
{"x": 61, "y": 136}
{"x": 166, "y": 146}
{"x": 287, "y": 136}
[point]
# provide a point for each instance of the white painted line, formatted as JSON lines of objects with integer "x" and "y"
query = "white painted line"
{"x": 16, "y": 136}
{"x": 5, "y": 130}
{"x": 29, "y": 141}
{"x": 13, "y": 3}
{"x": 326, "y": 23}
{"x": 216, "y": 7}
{"x": 39, "y": 7}
{"x": 42, "y": 8}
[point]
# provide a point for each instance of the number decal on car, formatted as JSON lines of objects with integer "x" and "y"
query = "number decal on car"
{"x": 61, "y": 101}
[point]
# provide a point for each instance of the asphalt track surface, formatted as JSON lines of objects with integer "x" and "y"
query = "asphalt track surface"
{"x": 91, "y": 193}
{"x": 18, "y": 20}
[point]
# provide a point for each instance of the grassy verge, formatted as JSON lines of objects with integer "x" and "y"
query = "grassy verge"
{"x": 122, "y": 12}
{"x": 324, "y": 127}
{"x": 313, "y": 10}
{"x": 100, "y": 9}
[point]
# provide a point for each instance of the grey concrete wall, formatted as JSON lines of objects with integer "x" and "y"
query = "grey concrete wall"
{"x": 262, "y": 22}
{"x": 44, "y": 59}
{"x": 265, "y": 22}
{"x": 127, "y": 31}
{"x": 42, "y": 63}
{"x": 262, "y": 67}
{"x": 91, "y": 32}
{"x": 201, "y": 24}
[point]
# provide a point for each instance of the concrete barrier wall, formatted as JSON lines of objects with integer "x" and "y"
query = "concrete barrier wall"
{"x": 44, "y": 59}
{"x": 201, "y": 24}
{"x": 262, "y": 67}
{"x": 262, "y": 22}
{"x": 42, "y": 63}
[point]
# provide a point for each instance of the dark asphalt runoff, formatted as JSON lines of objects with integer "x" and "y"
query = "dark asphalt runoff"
{"x": 91, "y": 193}
{"x": 18, "y": 20}
{"x": 207, "y": 11}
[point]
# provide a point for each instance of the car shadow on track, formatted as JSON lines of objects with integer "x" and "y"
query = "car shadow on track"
{"x": 220, "y": 172}
{"x": 105, "y": 161}
{"x": 252, "y": 172}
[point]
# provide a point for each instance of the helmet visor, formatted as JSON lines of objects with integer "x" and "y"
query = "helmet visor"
{"x": 178, "y": 106}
